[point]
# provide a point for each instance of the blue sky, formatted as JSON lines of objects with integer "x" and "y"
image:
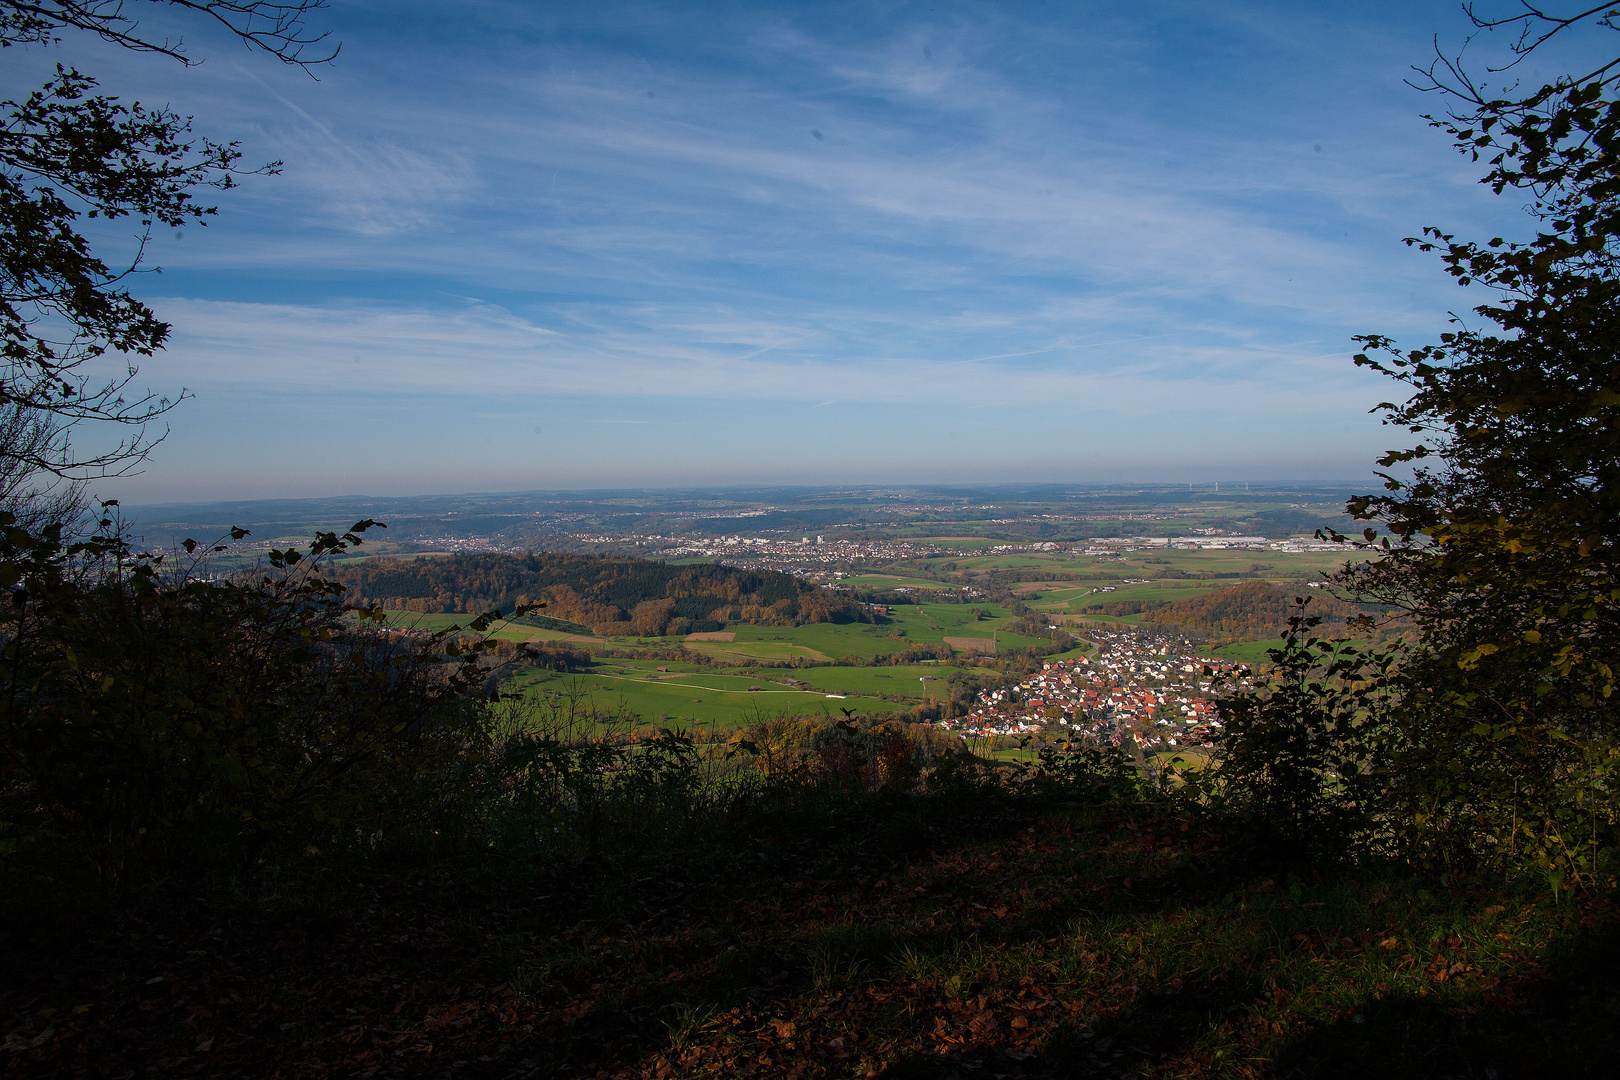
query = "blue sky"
{"x": 521, "y": 245}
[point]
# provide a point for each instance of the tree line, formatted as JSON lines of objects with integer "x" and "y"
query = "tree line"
{"x": 612, "y": 595}
{"x": 1252, "y": 611}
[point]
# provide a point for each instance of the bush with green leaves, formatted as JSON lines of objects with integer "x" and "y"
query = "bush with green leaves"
{"x": 1497, "y": 534}
{"x": 1090, "y": 770}
{"x": 1304, "y": 760}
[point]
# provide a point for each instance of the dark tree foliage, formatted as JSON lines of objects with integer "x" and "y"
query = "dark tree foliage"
{"x": 1301, "y": 760}
{"x": 152, "y": 716}
{"x": 1496, "y": 730}
{"x": 70, "y": 154}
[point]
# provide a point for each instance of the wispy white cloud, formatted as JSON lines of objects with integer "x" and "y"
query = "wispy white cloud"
{"x": 961, "y": 207}
{"x": 466, "y": 352}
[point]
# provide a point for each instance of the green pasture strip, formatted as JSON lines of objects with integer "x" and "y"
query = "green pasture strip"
{"x": 385, "y": 549}
{"x": 910, "y": 624}
{"x": 1076, "y": 652}
{"x": 1181, "y": 758}
{"x": 1237, "y": 560}
{"x": 1154, "y": 592}
{"x": 1012, "y": 561}
{"x": 1127, "y": 620}
{"x": 1248, "y": 652}
{"x": 936, "y": 622}
{"x": 1010, "y": 755}
{"x": 666, "y": 702}
{"x": 830, "y": 640}
{"x": 890, "y": 581}
{"x": 649, "y": 666}
{"x": 545, "y": 622}
{"x": 695, "y": 680}
{"x": 1058, "y": 595}
{"x": 905, "y": 680}
{"x": 744, "y": 651}
{"x": 928, "y": 624}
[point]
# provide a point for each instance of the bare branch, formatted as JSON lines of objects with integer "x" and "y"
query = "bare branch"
{"x": 274, "y": 26}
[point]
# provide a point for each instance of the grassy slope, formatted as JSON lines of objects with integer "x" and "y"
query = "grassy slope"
{"x": 889, "y": 581}
{"x": 695, "y": 695}
{"x": 1146, "y": 592}
{"x": 911, "y": 623}
{"x": 1249, "y": 652}
{"x": 691, "y": 698}
{"x": 908, "y": 938}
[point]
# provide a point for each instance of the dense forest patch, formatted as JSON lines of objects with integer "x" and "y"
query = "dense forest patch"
{"x": 611, "y": 595}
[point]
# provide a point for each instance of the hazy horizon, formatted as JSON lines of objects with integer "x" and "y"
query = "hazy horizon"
{"x": 1036, "y": 490}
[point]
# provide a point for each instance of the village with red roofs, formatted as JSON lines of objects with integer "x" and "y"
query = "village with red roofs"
{"x": 1154, "y": 689}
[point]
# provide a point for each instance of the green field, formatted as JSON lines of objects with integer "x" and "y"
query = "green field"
{"x": 644, "y": 696}
{"x": 906, "y": 680}
{"x": 1248, "y": 652}
{"x": 1156, "y": 592}
{"x": 1126, "y": 620}
{"x": 927, "y": 624}
{"x": 891, "y": 581}
{"x": 747, "y": 652}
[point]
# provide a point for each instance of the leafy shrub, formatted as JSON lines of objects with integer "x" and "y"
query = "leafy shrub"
{"x": 1298, "y": 763}
{"x": 1090, "y": 771}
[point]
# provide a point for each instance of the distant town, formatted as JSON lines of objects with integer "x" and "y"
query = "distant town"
{"x": 825, "y": 557}
{"x": 1154, "y": 689}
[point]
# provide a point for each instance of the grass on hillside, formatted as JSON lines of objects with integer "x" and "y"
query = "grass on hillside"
{"x": 890, "y": 581}
{"x": 1248, "y": 652}
{"x": 1146, "y": 593}
{"x": 1125, "y": 620}
{"x": 911, "y": 624}
{"x": 915, "y": 937}
{"x": 685, "y": 699}
{"x": 677, "y": 694}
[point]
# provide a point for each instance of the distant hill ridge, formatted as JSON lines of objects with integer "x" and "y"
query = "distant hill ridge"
{"x": 607, "y": 594}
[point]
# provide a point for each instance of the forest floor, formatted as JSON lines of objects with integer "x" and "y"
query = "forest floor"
{"x": 900, "y": 938}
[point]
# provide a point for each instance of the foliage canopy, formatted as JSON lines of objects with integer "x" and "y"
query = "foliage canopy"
{"x": 1492, "y": 737}
{"x": 68, "y": 155}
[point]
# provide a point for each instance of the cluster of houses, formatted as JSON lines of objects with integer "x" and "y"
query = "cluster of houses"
{"x": 1151, "y": 688}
